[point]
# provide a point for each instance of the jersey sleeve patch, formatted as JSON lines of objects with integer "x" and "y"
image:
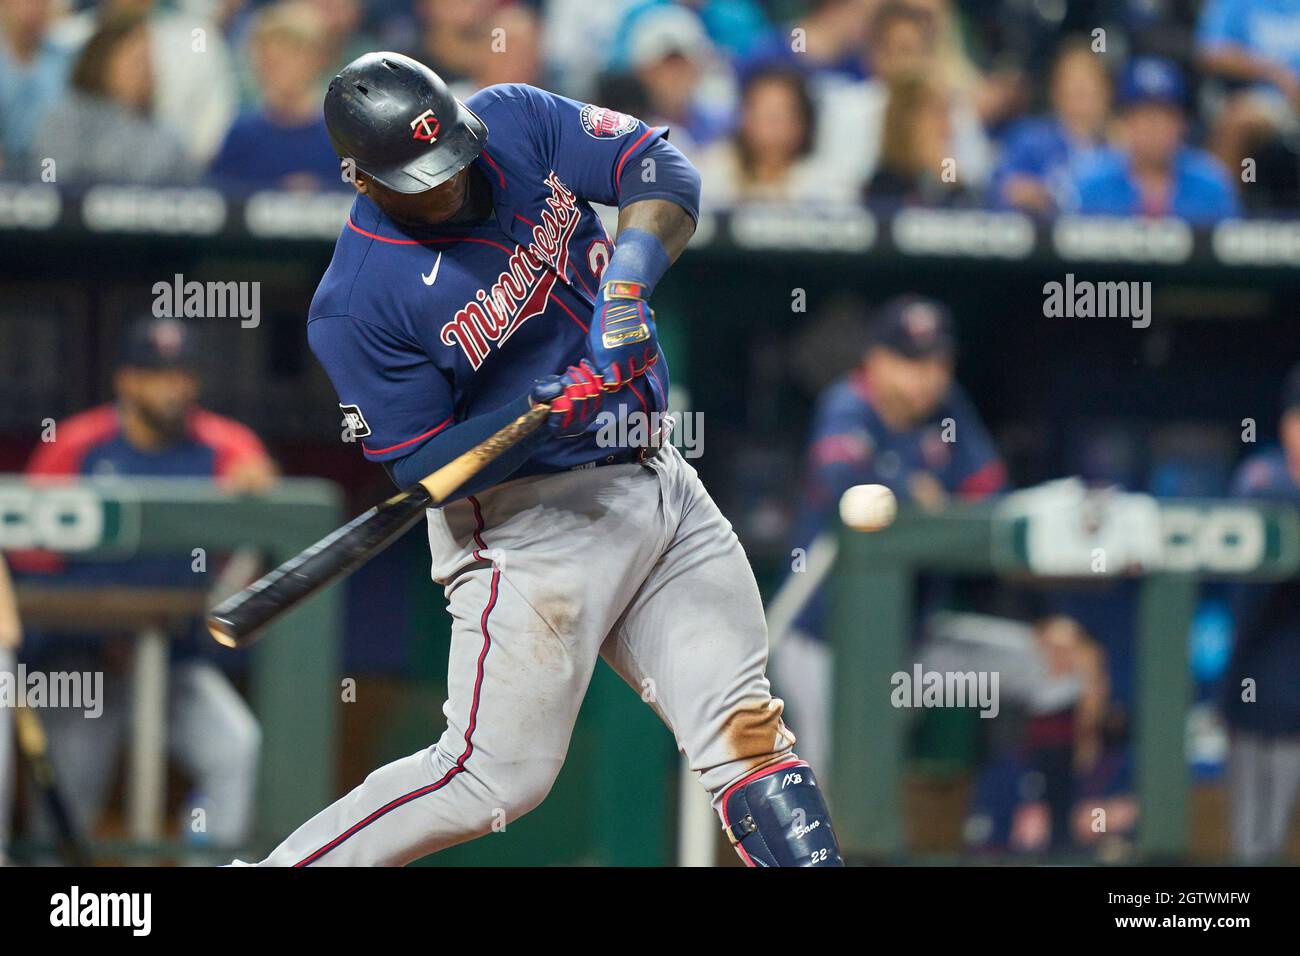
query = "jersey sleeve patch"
{"x": 355, "y": 421}
{"x": 602, "y": 123}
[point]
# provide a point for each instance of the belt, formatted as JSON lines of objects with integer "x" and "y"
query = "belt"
{"x": 632, "y": 456}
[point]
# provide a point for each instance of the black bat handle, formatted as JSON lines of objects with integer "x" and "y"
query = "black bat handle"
{"x": 237, "y": 621}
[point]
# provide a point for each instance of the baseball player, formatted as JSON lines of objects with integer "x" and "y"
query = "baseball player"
{"x": 153, "y": 428}
{"x": 472, "y": 282}
{"x": 883, "y": 423}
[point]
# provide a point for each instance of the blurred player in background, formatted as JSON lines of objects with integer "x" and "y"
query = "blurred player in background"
{"x": 1262, "y": 689}
{"x": 1054, "y": 690}
{"x": 155, "y": 428}
{"x": 11, "y": 635}
{"x": 898, "y": 420}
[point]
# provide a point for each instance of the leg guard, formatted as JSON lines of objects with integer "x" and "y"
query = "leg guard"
{"x": 777, "y": 817}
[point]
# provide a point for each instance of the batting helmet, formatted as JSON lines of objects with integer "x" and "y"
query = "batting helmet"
{"x": 397, "y": 121}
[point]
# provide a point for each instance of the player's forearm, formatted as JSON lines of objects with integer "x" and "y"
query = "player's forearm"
{"x": 460, "y": 438}
{"x": 668, "y": 222}
{"x": 660, "y": 193}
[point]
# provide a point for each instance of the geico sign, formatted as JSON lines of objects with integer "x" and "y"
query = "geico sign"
{"x": 1222, "y": 538}
{"x": 60, "y": 519}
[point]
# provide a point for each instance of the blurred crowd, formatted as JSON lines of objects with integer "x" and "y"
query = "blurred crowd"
{"x": 1138, "y": 107}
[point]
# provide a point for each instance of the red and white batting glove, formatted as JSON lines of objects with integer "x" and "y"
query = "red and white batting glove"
{"x": 574, "y": 398}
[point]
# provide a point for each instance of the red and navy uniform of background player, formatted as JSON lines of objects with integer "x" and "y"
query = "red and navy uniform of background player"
{"x": 421, "y": 329}
{"x": 92, "y": 444}
{"x": 851, "y": 445}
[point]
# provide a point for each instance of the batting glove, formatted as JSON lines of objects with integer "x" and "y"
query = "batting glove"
{"x": 622, "y": 339}
{"x": 574, "y": 398}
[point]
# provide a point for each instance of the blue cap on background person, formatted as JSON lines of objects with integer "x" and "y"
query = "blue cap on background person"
{"x": 158, "y": 343}
{"x": 914, "y": 327}
{"x": 1152, "y": 79}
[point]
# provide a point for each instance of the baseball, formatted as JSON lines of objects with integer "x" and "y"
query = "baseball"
{"x": 868, "y": 507}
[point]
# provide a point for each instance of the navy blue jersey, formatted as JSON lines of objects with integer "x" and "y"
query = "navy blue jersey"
{"x": 420, "y": 329}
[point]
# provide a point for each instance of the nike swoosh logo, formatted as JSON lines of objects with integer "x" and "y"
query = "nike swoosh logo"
{"x": 432, "y": 277}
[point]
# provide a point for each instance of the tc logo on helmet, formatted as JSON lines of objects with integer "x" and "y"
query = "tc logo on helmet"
{"x": 425, "y": 127}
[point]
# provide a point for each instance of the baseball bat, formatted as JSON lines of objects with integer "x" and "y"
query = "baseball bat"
{"x": 239, "y": 620}
{"x": 34, "y": 748}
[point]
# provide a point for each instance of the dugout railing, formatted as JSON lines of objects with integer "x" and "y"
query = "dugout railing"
{"x": 872, "y": 623}
{"x": 294, "y": 678}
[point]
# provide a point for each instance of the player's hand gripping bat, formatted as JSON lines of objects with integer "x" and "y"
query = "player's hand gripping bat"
{"x": 237, "y": 621}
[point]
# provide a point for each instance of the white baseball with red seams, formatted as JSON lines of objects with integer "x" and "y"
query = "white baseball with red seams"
{"x": 868, "y": 507}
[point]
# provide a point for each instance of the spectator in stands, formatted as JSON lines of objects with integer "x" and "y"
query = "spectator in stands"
{"x": 1042, "y": 155}
{"x": 995, "y": 95}
{"x": 736, "y": 28}
{"x": 571, "y": 31}
{"x": 768, "y": 156}
{"x": 1261, "y": 702}
{"x": 1154, "y": 172}
{"x": 899, "y": 419}
{"x": 155, "y": 428}
{"x": 455, "y": 36}
{"x": 34, "y": 69}
{"x": 516, "y": 55}
{"x": 1253, "y": 48}
{"x": 903, "y": 41}
{"x": 109, "y": 107}
{"x": 284, "y": 143}
{"x": 829, "y": 44}
{"x": 916, "y": 165}
{"x": 345, "y": 37}
{"x": 196, "y": 87}
{"x": 677, "y": 67}
{"x": 11, "y": 636}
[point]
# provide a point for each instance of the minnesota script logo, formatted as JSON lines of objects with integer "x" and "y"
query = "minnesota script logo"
{"x": 520, "y": 292}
